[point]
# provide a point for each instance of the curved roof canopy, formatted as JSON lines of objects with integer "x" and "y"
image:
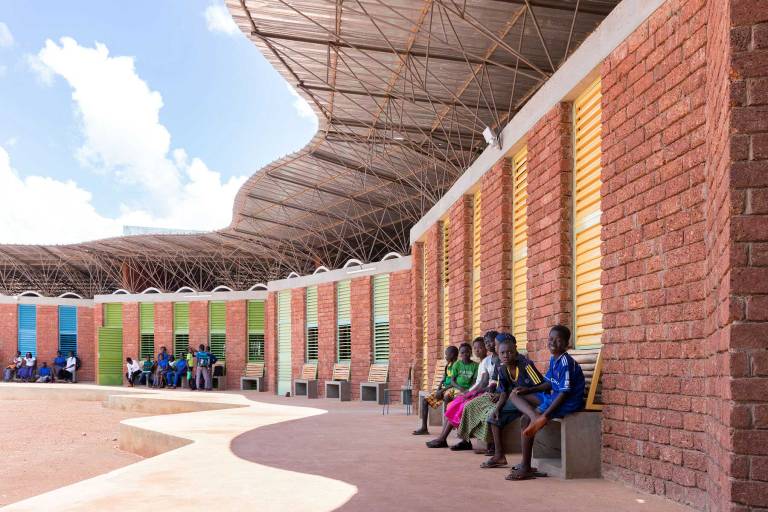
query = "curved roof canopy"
{"x": 403, "y": 90}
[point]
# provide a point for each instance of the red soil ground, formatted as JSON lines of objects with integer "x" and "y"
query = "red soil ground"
{"x": 48, "y": 444}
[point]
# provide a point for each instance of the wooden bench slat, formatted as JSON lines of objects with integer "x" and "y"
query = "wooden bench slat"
{"x": 341, "y": 372}
{"x": 378, "y": 373}
{"x": 309, "y": 372}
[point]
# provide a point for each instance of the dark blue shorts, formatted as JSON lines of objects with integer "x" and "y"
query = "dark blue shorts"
{"x": 507, "y": 415}
{"x": 568, "y": 407}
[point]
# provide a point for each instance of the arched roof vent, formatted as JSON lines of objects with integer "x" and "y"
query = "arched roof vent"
{"x": 292, "y": 275}
{"x": 29, "y": 293}
{"x": 391, "y": 256}
{"x": 320, "y": 270}
{"x": 151, "y": 289}
{"x": 257, "y": 286}
{"x": 70, "y": 295}
{"x": 185, "y": 289}
{"x": 222, "y": 288}
{"x": 353, "y": 262}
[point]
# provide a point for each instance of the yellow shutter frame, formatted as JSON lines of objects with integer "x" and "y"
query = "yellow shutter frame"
{"x": 425, "y": 325}
{"x": 446, "y": 286}
{"x": 476, "y": 224}
{"x": 520, "y": 247}
{"x": 588, "y": 319}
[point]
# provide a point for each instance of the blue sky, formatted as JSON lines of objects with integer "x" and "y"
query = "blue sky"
{"x": 146, "y": 112}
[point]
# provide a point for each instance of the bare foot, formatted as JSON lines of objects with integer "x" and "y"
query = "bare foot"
{"x": 535, "y": 426}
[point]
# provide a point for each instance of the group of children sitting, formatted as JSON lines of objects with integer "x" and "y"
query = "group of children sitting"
{"x": 24, "y": 369}
{"x": 169, "y": 371}
{"x": 482, "y": 398}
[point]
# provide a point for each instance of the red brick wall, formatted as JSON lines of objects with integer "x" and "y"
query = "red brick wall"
{"x": 550, "y": 175}
{"x": 237, "y": 341}
{"x": 198, "y": 323}
{"x": 86, "y": 343}
{"x": 130, "y": 330}
{"x": 417, "y": 305}
{"x": 98, "y": 321}
{"x": 362, "y": 336}
{"x": 460, "y": 265}
{"x": 401, "y": 347}
{"x": 746, "y": 309}
{"x": 164, "y": 326}
{"x": 9, "y": 339}
{"x": 326, "y": 332}
{"x": 654, "y": 376}
{"x": 270, "y": 341}
{"x": 47, "y": 334}
{"x": 434, "y": 295}
{"x": 298, "y": 330}
{"x": 496, "y": 248}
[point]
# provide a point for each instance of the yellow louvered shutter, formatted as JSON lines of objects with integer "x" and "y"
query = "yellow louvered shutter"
{"x": 520, "y": 248}
{"x": 588, "y": 320}
{"x": 425, "y": 326}
{"x": 476, "y": 223}
{"x": 446, "y": 290}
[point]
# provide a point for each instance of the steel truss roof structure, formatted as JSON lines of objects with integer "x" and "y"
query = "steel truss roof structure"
{"x": 403, "y": 90}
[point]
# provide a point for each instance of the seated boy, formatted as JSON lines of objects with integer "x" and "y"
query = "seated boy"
{"x": 161, "y": 373}
{"x": 561, "y": 393}
{"x": 44, "y": 374}
{"x": 59, "y": 362}
{"x": 146, "y": 371}
{"x": 170, "y": 375}
{"x": 517, "y": 371}
{"x": 13, "y": 367}
{"x": 444, "y": 392}
{"x": 181, "y": 371}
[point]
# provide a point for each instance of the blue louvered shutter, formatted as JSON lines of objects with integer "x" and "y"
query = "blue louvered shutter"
{"x": 28, "y": 329}
{"x": 67, "y": 329}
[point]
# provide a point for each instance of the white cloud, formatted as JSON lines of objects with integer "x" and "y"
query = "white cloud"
{"x": 44, "y": 210}
{"x": 11, "y": 141}
{"x": 44, "y": 73}
{"x": 6, "y": 38}
{"x": 301, "y": 105}
{"x": 123, "y": 137}
{"x": 3, "y": 70}
{"x": 217, "y": 19}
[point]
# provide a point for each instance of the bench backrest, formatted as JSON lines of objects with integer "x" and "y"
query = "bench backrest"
{"x": 255, "y": 370}
{"x": 378, "y": 373}
{"x": 590, "y": 363}
{"x": 309, "y": 371}
{"x": 439, "y": 372}
{"x": 340, "y": 371}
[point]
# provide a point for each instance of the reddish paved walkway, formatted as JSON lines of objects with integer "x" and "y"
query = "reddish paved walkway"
{"x": 393, "y": 470}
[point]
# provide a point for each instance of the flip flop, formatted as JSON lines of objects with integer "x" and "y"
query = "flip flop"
{"x": 420, "y": 432}
{"x": 461, "y": 446}
{"x": 518, "y": 475}
{"x": 490, "y": 465}
{"x": 436, "y": 444}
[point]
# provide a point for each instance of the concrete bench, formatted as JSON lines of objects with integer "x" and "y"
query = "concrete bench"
{"x": 339, "y": 387}
{"x": 373, "y": 389}
{"x": 307, "y": 384}
{"x": 253, "y": 377}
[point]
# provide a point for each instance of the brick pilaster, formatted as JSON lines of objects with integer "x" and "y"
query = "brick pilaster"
{"x": 237, "y": 341}
{"x": 362, "y": 339}
{"x": 326, "y": 332}
{"x": 460, "y": 265}
{"x": 87, "y": 344}
{"x": 47, "y": 334}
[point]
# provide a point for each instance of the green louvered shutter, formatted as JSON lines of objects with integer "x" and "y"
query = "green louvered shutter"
{"x": 256, "y": 331}
{"x": 381, "y": 318}
{"x": 312, "y": 347}
{"x": 111, "y": 346}
{"x": 180, "y": 328}
{"x": 113, "y": 315}
{"x": 283, "y": 342}
{"x": 343, "y": 322}
{"x": 147, "y": 326}
{"x": 217, "y": 322}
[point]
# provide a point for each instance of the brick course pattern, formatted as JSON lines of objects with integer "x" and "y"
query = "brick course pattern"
{"x": 9, "y": 325}
{"x": 326, "y": 333}
{"x": 164, "y": 326}
{"x": 434, "y": 248}
{"x": 86, "y": 344}
{"x": 417, "y": 305}
{"x": 460, "y": 265}
{"x": 47, "y": 334}
{"x": 402, "y": 354}
{"x": 550, "y": 176}
{"x": 237, "y": 342}
{"x": 362, "y": 335}
{"x": 198, "y": 323}
{"x": 130, "y": 331}
{"x": 298, "y": 330}
{"x": 654, "y": 373}
{"x": 496, "y": 248}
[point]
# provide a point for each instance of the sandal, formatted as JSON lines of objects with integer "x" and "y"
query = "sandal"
{"x": 436, "y": 444}
{"x": 461, "y": 446}
{"x": 519, "y": 474}
{"x": 420, "y": 432}
{"x": 490, "y": 464}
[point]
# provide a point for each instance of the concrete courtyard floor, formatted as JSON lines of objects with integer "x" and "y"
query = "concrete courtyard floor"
{"x": 258, "y": 451}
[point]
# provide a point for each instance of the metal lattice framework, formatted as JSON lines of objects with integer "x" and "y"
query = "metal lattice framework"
{"x": 403, "y": 90}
